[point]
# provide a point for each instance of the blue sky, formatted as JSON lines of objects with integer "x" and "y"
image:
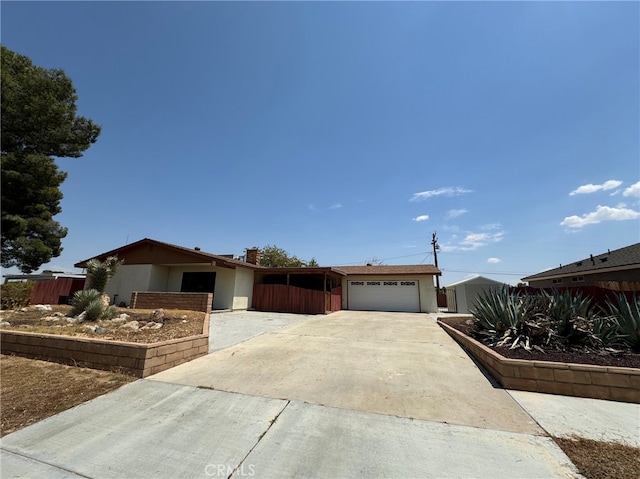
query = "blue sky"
{"x": 347, "y": 131}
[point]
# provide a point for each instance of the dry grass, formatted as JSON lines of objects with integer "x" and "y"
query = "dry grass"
{"x": 601, "y": 460}
{"x": 33, "y": 390}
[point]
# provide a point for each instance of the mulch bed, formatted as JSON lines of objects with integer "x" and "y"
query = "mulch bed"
{"x": 580, "y": 356}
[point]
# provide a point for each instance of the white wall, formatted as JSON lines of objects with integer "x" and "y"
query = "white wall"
{"x": 466, "y": 294}
{"x": 225, "y": 283}
{"x": 243, "y": 289}
{"x": 129, "y": 278}
{"x": 428, "y": 299}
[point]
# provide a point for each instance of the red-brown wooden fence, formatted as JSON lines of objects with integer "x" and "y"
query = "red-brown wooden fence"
{"x": 336, "y": 299}
{"x": 55, "y": 291}
{"x": 291, "y": 299}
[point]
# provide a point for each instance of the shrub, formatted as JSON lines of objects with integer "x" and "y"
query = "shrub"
{"x": 626, "y": 316}
{"x": 15, "y": 294}
{"x": 570, "y": 312}
{"x": 82, "y": 299}
{"x": 94, "y": 310}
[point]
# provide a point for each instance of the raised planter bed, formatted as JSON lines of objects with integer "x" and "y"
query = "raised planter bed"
{"x": 138, "y": 359}
{"x": 570, "y": 379}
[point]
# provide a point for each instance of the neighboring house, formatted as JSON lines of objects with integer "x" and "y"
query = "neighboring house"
{"x": 151, "y": 265}
{"x": 620, "y": 265}
{"x": 462, "y": 295}
{"x": 44, "y": 276}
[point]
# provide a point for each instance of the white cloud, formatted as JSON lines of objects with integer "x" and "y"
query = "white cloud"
{"x": 491, "y": 226}
{"x": 456, "y": 213}
{"x": 633, "y": 190}
{"x": 448, "y": 191}
{"x": 335, "y": 206}
{"x": 494, "y": 260}
{"x": 602, "y": 213}
{"x": 473, "y": 241}
{"x": 421, "y": 218}
{"x": 590, "y": 188}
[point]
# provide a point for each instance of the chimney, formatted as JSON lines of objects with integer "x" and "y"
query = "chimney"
{"x": 253, "y": 256}
{"x": 197, "y": 248}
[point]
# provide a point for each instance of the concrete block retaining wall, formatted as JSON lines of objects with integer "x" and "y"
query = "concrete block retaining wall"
{"x": 569, "y": 379}
{"x": 155, "y": 300}
{"x": 138, "y": 359}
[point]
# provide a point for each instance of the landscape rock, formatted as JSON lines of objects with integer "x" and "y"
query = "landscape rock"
{"x": 121, "y": 318}
{"x": 90, "y": 328}
{"x": 57, "y": 314}
{"x": 133, "y": 325}
{"x": 152, "y": 325}
{"x": 72, "y": 320}
{"x": 42, "y": 307}
{"x": 100, "y": 330}
{"x": 51, "y": 318}
{"x": 23, "y": 310}
{"x": 81, "y": 317}
{"x": 4, "y": 323}
{"x": 157, "y": 314}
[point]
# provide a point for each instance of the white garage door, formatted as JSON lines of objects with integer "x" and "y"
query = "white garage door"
{"x": 384, "y": 296}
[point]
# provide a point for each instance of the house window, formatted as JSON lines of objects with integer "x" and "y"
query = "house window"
{"x": 557, "y": 281}
{"x": 391, "y": 283}
{"x": 357, "y": 283}
{"x": 407, "y": 283}
{"x": 373, "y": 283}
{"x": 577, "y": 279}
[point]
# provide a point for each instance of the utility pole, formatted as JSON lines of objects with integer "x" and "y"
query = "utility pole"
{"x": 436, "y": 247}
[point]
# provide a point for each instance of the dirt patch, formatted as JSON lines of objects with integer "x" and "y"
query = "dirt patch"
{"x": 580, "y": 356}
{"x": 33, "y": 390}
{"x": 174, "y": 324}
{"x": 601, "y": 460}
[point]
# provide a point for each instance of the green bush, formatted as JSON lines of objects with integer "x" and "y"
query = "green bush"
{"x": 15, "y": 294}
{"x": 94, "y": 310}
{"x": 82, "y": 299}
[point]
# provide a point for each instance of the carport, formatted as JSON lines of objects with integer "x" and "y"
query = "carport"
{"x": 298, "y": 290}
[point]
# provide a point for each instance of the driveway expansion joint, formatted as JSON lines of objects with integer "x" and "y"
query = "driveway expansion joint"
{"x": 61, "y": 468}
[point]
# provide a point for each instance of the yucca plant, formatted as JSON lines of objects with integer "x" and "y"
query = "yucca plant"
{"x": 99, "y": 272}
{"x": 82, "y": 299}
{"x": 94, "y": 310}
{"x": 626, "y": 315}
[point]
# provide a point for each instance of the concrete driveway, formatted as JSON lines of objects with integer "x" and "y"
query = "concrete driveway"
{"x": 346, "y": 395}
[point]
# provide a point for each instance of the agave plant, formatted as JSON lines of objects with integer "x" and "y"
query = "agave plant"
{"x": 571, "y": 314}
{"x": 626, "y": 315}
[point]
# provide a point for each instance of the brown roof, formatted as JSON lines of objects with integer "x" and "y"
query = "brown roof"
{"x": 304, "y": 270}
{"x": 192, "y": 255}
{"x": 197, "y": 256}
{"x": 623, "y": 258}
{"x": 399, "y": 269}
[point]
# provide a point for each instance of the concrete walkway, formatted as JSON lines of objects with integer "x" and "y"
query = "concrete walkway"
{"x": 346, "y": 395}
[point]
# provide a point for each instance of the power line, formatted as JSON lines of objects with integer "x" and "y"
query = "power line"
{"x": 485, "y": 272}
{"x": 384, "y": 259}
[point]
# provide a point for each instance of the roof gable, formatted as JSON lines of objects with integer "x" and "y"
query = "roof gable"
{"x": 149, "y": 251}
{"x": 623, "y": 258}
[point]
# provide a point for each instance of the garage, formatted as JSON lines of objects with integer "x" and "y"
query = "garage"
{"x": 384, "y": 295}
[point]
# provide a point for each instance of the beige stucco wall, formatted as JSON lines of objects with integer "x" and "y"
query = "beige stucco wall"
{"x": 129, "y": 278}
{"x": 243, "y": 289}
{"x": 225, "y": 283}
{"x": 426, "y": 288}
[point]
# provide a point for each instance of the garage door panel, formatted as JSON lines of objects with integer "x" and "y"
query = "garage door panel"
{"x": 380, "y": 295}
